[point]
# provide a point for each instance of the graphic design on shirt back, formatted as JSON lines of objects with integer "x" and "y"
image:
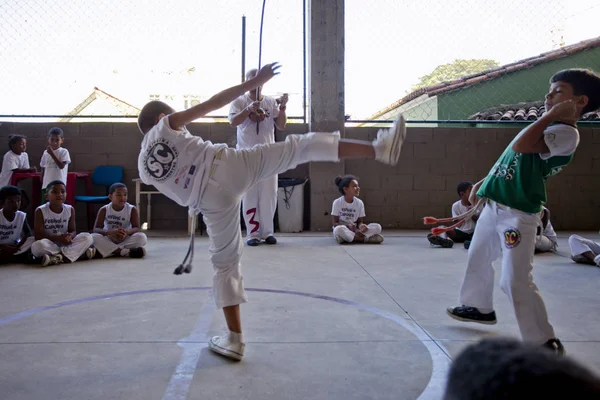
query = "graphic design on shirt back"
{"x": 160, "y": 161}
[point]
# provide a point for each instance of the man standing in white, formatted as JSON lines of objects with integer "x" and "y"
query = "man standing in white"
{"x": 56, "y": 159}
{"x": 256, "y": 120}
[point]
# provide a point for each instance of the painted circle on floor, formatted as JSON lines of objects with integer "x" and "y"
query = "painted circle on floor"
{"x": 439, "y": 357}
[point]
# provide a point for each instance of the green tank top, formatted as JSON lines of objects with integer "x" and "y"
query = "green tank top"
{"x": 518, "y": 180}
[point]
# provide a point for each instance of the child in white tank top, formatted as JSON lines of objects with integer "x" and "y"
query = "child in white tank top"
{"x": 56, "y": 238}
{"x": 15, "y": 233}
{"x": 117, "y": 227}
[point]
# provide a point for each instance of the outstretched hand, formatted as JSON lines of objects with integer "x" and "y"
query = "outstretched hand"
{"x": 267, "y": 72}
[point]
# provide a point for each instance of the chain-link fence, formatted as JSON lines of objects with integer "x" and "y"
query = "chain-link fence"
{"x": 432, "y": 60}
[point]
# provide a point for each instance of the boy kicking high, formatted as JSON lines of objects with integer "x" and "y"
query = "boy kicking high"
{"x": 515, "y": 192}
{"x": 213, "y": 178}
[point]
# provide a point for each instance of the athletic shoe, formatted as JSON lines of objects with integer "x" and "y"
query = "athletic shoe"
{"x": 556, "y": 346}
{"x": 253, "y": 242}
{"x": 90, "y": 253}
{"x": 389, "y": 142}
{"x": 48, "y": 260}
{"x": 271, "y": 240}
{"x": 467, "y": 244}
{"x": 375, "y": 239}
{"x": 221, "y": 345}
{"x": 440, "y": 241}
{"x": 597, "y": 260}
{"x": 138, "y": 252}
{"x": 471, "y": 314}
{"x": 339, "y": 239}
{"x": 581, "y": 259}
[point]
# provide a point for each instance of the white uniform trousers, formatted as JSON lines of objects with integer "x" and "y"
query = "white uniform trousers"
{"x": 232, "y": 174}
{"x": 105, "y": 246}
{"x": 345, "y": 233}
{"x": 258, "y": 207}
{"x": 26, "y": 245}
{"x": 543, "y": 244}
{"x": 512, "y": 233}
{"x": 580, "y": 245}
{"x": 72, "y": 252}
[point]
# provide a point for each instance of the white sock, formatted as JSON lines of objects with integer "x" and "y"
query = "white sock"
{"x": 235, "y": 337}
{"x": 597, "y": 260}
{"x": 124, "y": 252}
{"x": 485, "y": 310}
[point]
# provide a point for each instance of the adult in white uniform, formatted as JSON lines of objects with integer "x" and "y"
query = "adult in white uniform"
{"x": 256, "y": 120}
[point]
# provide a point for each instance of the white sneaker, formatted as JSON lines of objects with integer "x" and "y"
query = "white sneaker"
{"x": 376, "y": 238}
{"x": 90, "y": 253}
{"x": 389, "y": 142}
{"x": 221, "y": 345}
{"x": 48, "y": 260}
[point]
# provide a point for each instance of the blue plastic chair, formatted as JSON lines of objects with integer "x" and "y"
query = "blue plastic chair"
{"x": 104, "y": 175}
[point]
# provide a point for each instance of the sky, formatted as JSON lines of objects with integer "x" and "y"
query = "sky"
{"x": 54, "y": 52}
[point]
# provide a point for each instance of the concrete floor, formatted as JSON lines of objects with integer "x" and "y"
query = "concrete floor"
{"x": 324, "y": 321}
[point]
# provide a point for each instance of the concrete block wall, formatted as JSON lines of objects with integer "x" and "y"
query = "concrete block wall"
{"x": 432, "y": 162}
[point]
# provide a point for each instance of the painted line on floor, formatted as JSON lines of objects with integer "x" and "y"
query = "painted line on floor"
{"x": 433, "y": 390}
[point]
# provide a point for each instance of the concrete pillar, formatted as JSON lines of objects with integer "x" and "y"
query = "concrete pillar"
{"x": 325, "y": 92}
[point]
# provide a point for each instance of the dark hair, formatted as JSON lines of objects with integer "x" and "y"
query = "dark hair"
{"x": 584, "y": 82}
{"x": 344, "y": 181}
{"x": 149, "y": 113}
{"x": 113, "y": 188}
{"x": 463, "y": 187}
{"x": 55, "y": 131}
{"x": 8, "y": 191}
{"x": 54, "y": 183}
{"x": 13, "y": 139}
{"x": 503, "y": 368}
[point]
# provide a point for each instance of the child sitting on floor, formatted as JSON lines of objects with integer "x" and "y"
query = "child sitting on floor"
{"x": 546, "y": 239}
{"x": 54, "y": 226}
{"x": 117, "y": 228}
{"x": 584, "y": 251}
{"x": 348, "y": 213}
{"x": 15, "y": 234}
{"x": 464, "y": 233}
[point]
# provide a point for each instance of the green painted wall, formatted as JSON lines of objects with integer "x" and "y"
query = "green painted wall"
{"x": 525, "y": 85}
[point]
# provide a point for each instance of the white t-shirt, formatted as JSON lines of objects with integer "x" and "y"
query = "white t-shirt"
{"x": 246, "y": 131}
{"x": 12, "y": 161}
{"x": 348, "y": 213}
{"x": 176, "y": 162}
{"x": 56, "y": 224}
{"x": 117, "y": 219}
{"x": 10, "y": 231}
{"x": 561, "y": 139}
{"x": 51, "y": 170}
{"x": 457, "y": 209}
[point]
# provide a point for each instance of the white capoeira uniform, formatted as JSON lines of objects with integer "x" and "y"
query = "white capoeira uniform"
{"x": 51, "y": 170}
{"x": 113, "y": 220}
{"x": 348, "y": 214}
{"x": 57, "y": 224}
{"x": 11, "y": 232}
{"x": 547, "y": 240}
{"x": 515, "y": 190}
{"x": 260, "y": 201}
{"x": 10, "y": 162}
{"x": 580, "y": 245}
{"x": 213, "y": 178}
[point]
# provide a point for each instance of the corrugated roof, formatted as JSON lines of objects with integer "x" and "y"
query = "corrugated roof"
{"x": 492, "y": 73}
{"x": 529, "y": 111}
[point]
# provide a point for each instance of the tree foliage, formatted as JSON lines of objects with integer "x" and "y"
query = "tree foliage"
{"x": 454, "y": 70}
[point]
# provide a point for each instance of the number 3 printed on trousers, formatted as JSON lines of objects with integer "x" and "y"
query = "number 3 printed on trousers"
{"x": 255, "y": 224}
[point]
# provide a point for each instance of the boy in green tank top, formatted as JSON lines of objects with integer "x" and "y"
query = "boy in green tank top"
{"x": 515, "y": 190}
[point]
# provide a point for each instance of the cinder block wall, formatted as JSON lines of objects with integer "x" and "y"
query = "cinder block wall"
{"x": 432, "y": 162}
